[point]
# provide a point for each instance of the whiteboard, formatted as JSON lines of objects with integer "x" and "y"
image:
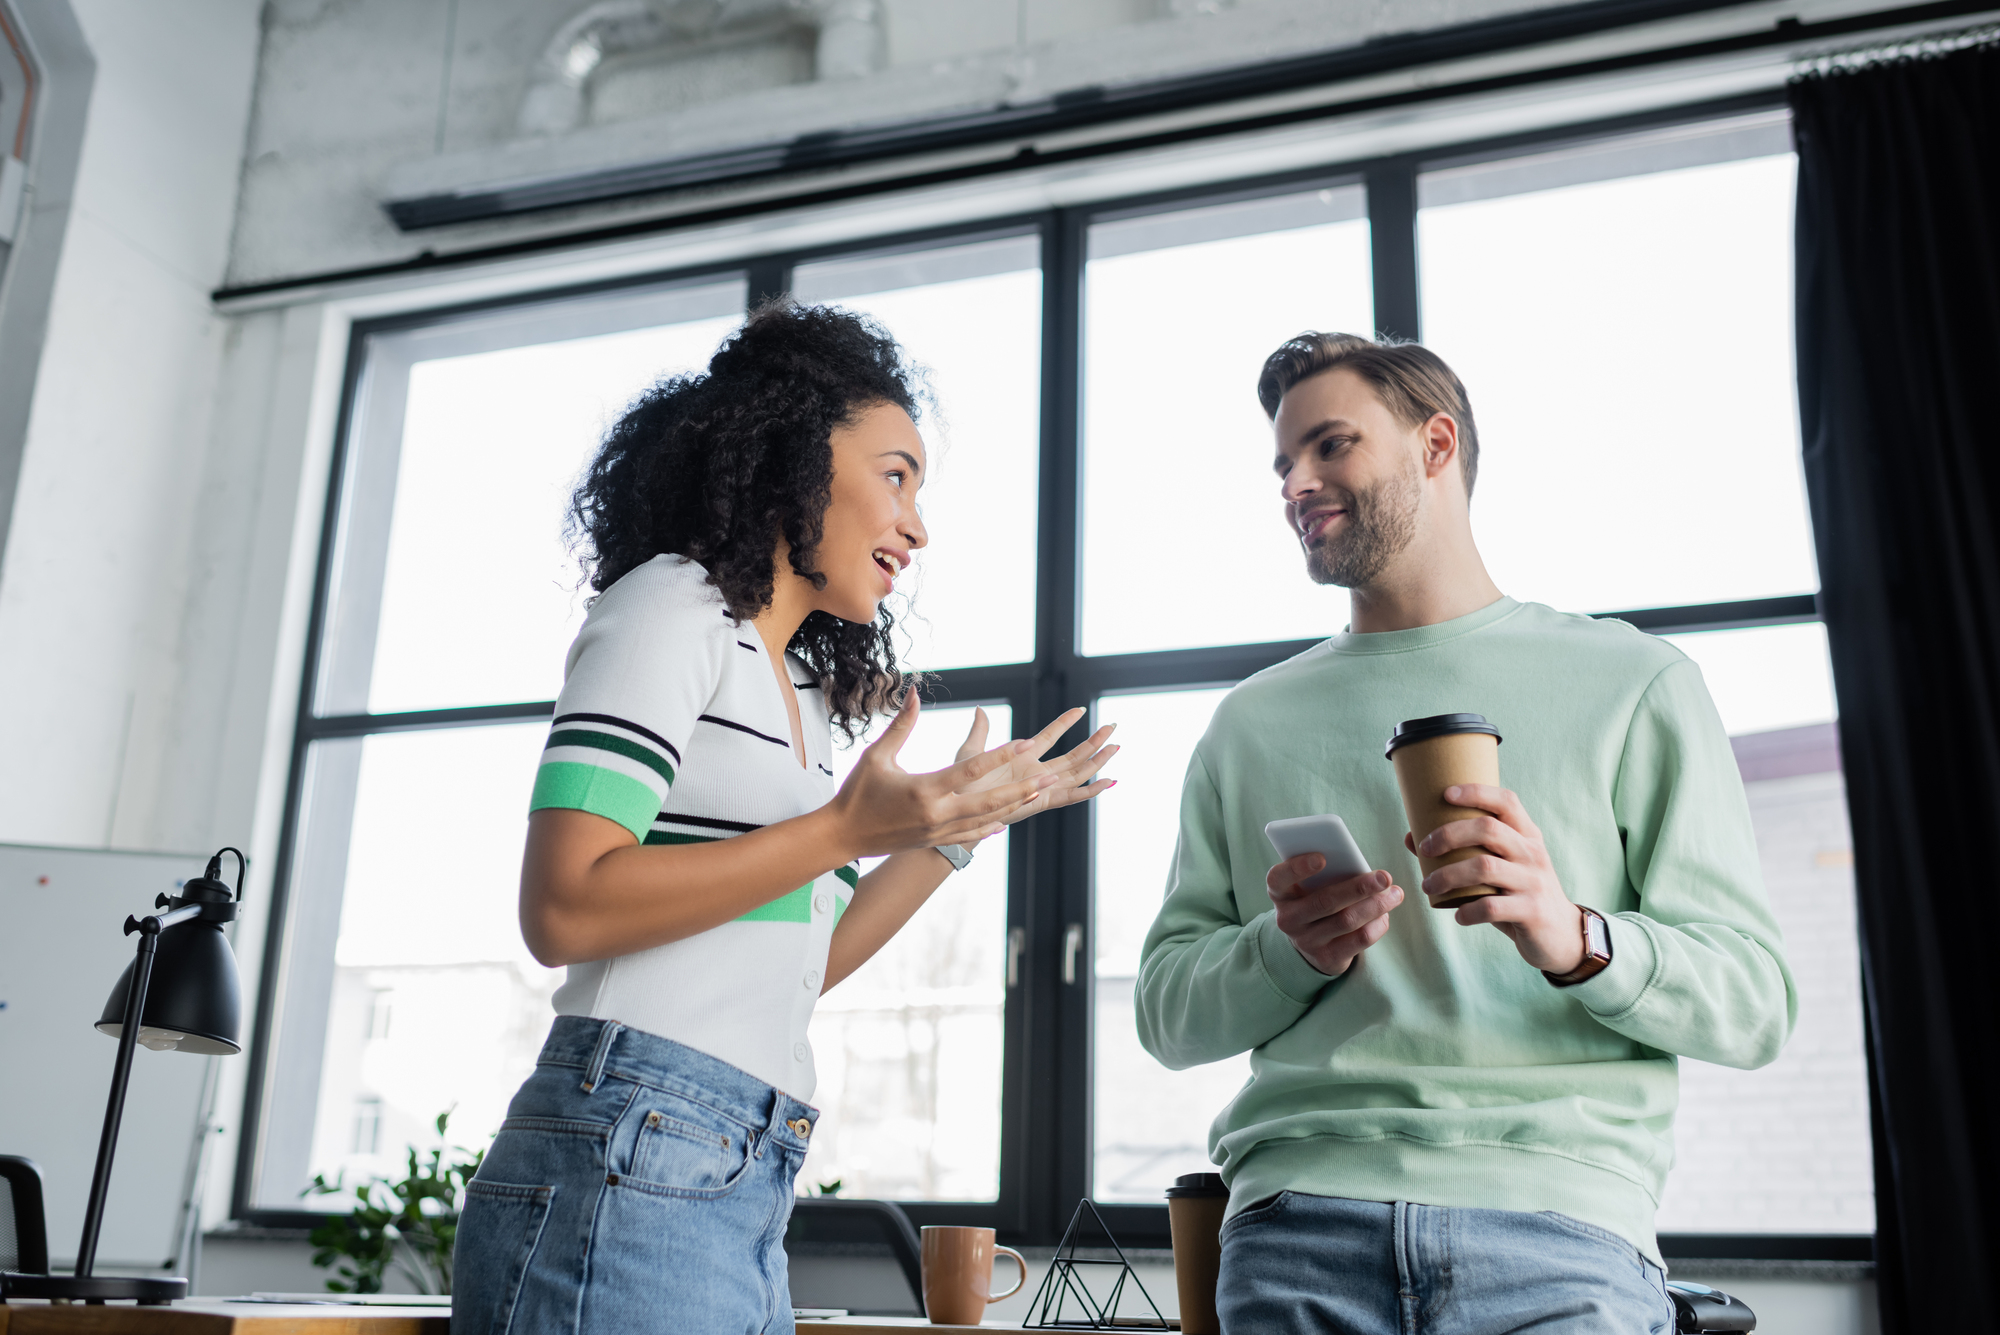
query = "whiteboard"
{"x": 62, "y": 915}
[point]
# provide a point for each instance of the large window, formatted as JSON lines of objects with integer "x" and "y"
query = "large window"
{"x": 1105, "y": 534}
{"x": 1180, "y": 308}
{"x": 909, "y": 1049}
{"x": 1624, "y": 311}
{"x": 449, "y": 598}
{"x": 971, "y": 315}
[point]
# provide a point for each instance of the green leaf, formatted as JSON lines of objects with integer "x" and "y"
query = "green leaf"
{"x": 410, "y": 1223}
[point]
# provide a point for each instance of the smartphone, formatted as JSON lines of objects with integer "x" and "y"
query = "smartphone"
{"x": 1324, "y": 835}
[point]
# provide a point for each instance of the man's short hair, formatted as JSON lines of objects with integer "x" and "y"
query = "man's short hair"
{"x": 1413, "y": 382}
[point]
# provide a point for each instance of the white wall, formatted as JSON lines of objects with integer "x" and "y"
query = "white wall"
{"x": 95, "y": 574}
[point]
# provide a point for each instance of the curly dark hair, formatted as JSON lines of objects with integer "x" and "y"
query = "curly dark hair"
{"x": 716, "y": 466}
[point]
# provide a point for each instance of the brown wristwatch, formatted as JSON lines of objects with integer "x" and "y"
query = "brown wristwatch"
{"x": 1596, "y": 951}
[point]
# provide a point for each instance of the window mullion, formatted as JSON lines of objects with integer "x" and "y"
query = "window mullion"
{"x": 765, "y": 278}
{"x": 1392, "y": 235}
{"x": 1055, "y": 1071}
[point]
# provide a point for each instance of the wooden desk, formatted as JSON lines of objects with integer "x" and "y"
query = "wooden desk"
{"x": 206, "y": 1317}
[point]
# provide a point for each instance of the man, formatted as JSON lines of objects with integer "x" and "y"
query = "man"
{"x": 1450, "y": 1128}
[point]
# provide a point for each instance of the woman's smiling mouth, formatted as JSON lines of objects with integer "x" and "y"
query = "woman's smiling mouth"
{"x": 889, "y": 563}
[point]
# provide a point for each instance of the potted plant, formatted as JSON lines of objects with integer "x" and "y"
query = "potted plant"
{"x": 409, "y": 1223}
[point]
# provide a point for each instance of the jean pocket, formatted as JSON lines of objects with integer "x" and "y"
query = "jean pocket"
{"x": 1262, "y": 1212}
{"x": 498, "y": 1232}
{"x": 1569, "y": 1223}
{"x": 686, "y": 1148}
{"x": 559, "y": 1126}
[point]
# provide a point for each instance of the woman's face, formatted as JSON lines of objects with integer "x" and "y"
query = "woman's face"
{"x": 871, "y": 530}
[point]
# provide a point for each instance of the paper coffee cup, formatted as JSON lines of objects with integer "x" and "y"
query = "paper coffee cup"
{"x": 1196, "y": 1203}
{"x": 1430, "y": 755}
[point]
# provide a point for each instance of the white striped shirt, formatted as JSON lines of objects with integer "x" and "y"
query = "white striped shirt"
{"x": 671, "y": 723}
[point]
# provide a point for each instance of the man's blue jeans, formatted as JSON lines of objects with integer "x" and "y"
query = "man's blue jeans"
{"x": 1320, "y": 1265}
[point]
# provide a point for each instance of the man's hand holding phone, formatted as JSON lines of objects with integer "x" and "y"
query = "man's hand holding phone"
{"x": 1330, "y": 924}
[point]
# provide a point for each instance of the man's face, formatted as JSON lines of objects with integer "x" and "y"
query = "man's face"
{"x": 1352, "y": 480}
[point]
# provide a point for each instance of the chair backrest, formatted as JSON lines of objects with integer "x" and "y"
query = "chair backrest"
{"x": 24, "y": 1238}
{"x": 823, "y": 1224}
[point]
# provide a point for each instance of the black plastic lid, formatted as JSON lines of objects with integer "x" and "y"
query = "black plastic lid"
{"x": 1438, "y": 725}
{"x": 1197, "y": 1184}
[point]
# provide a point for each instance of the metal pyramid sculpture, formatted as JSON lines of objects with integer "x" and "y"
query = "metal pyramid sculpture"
{"x": 1065, "y": 1286}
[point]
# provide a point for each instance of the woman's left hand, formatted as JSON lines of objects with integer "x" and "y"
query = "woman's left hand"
{"x": 1078, "y": 766}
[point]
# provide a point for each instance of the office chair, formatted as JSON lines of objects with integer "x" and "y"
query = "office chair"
{"x": 24, "y": 1238}
{"x": 825, "y": 1227}
{"x": 1699, "y": 1309}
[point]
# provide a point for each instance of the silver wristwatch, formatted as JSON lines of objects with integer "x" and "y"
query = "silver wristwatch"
{"x": 959, "y": 858}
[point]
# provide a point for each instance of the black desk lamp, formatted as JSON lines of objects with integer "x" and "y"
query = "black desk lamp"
{"x": 180, "y": 993}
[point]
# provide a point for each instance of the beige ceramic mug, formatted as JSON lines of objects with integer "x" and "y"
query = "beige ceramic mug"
{"x": 958, "y": 1274}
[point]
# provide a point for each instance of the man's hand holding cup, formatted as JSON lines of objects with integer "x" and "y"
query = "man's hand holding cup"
{"x": 1330, "y": 924}
{"x": 1531, "y": 908}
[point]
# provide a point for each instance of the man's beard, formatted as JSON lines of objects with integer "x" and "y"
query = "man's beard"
{"x": 1380, "y": 523}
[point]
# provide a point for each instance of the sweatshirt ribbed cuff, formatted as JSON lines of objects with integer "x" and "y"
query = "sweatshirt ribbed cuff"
{"x": 1284, "y": 968}
{"x": 1634, "y": 961}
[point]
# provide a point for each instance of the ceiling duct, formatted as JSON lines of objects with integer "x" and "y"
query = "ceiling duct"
{"x": 849, "y": 44}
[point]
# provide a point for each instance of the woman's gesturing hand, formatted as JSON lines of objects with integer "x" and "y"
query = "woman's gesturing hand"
{"x": 1075, "y": 769}
{"x": 883, "y": 808}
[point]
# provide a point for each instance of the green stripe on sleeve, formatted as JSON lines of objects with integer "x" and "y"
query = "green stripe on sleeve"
{"x": 793, "y": 907}
{"x": 604, "y": 741}
{"x": 849, "y": 875}
{"x": 601, "y": 792}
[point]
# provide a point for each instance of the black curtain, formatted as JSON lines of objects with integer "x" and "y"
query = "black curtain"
{"x": 1899, "y": 400}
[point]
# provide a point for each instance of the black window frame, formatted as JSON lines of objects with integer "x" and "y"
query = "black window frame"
{"x": 1046, "y": 1121}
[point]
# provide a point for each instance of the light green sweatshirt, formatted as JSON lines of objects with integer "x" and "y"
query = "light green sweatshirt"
{"x": 1442, "y": 1068}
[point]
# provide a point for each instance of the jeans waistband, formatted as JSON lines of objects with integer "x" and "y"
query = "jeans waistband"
{"x": 601, "y": 1049}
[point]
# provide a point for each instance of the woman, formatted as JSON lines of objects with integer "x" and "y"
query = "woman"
{"x": 688, "y": 855}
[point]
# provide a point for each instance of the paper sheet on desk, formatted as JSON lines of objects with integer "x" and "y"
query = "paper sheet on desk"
{"x": 348, "y": 1299}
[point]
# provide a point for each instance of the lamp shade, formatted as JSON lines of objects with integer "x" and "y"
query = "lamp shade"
{"x": 194, "y": 1002}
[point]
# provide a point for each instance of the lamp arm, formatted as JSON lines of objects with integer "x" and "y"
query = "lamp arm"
{"x": 148, "y": 929}
{"x": 156, "y": 923}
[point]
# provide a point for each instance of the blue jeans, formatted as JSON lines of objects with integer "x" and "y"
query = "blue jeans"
{"x": 1299, "y": 1264}
{"x": 637, "y": 1185}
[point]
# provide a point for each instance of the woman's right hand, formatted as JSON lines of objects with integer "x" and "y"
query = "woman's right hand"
{"x": 883, "y": 808}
